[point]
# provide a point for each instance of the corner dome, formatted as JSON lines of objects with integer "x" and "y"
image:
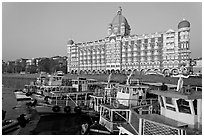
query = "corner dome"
{"x": 70, "y": 42}
{"x": 183, "y": 24}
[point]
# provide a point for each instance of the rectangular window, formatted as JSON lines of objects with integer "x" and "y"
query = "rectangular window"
{"x": 120, "y": 116}
{"x": 152, "y": 40}
{"x": 161, "y": 99}
{"x": 132, "y": 42}
{"x": 170, "y": 108}
{"x": 138, "y": 41}
{"x": 160, "y": 38}
{"x": 146, "y": 41}
{"x": 195, "y": 106}
{"x": 127, "y": 90}
{"x": 106, "y": 114}
{"x": 169, "y": 100}
{"x": 183, "y": 106}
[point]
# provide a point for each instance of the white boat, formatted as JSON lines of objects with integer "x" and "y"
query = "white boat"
{"x": 21, "y": 96}
{"x": 180, "y": 113}
{"x": 65, "y": 99}
{"x": 116, "y": 109}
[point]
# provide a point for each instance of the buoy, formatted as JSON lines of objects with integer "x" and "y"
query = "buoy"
{"x": 77, "y": 109}
{"x": 55, "y": 108}
{"x": 67, "y": 109}
{"x": 28, "y": 94}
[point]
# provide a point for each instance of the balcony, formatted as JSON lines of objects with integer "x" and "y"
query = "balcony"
{"x": 142, "y": 54}
{"x": 156, "y": 53}
{"x": 142, "y": 48}
{"x": 149, "y": 54}
{"x": 149, "y": 47}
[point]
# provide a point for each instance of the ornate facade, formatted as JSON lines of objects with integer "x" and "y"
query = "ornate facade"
{"x": 122, "y": 52}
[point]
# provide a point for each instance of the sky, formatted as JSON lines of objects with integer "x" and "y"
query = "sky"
{"x": 31, "y": 30}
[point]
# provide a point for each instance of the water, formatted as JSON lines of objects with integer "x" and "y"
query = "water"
{"x": 9, "y": 103}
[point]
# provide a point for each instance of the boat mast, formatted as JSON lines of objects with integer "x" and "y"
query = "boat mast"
{"x": 107, "y": 87}
{"x": 127, "y": 82}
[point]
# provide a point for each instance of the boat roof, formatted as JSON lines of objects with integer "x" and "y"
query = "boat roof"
{"x": 96, "y": 96}
{"x": 134, "y": 86}
{"x": 175, "y": 94}
{"x": 71, "y": 93}
{"x": 121, "y": 107}
{"x": 54, "y": 86}
{"x": 159, "y": 84}
{"x": 160, "y": 119}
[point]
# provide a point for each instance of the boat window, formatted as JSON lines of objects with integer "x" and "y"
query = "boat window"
{"x": 134, "y": 91}
{"x": 120, "y": 90}
{"x": 169, "y": 100}
{"x": 96, "y": 101}
{"x": 123, "y": 90}
{"x": 119, "y": 116}
{"x": 106, "y": 114}
{"x": 195, "y": 106}
{"x": 171, "y": 108}
{"x": 161, "y": 99}
{"x": 127, "y": 90}
{"x": 183, "y": 106}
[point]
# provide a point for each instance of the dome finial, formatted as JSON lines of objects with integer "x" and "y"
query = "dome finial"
{"x": 119, "y": 12}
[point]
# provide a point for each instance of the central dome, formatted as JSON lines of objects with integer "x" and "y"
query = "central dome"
{"x": 119, "y": 19}
{"x": 119, "y": 24}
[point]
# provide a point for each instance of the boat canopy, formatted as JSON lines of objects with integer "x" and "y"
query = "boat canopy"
{"x": 175, "y": 94}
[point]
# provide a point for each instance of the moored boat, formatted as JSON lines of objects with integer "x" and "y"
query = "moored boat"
{"x": 180, "y": 113}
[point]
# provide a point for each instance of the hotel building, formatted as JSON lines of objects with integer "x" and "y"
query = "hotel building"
{"x": 121, "y": 52}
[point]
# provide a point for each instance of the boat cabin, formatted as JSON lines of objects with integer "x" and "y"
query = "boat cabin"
{"x": 103, "y": 96}
{"x": 55, "y": 80}
{"x": 46, "y": 90}
{"x": 180, "y": 114}
{"x": 130, "y": 95}
{"x": 184, "y": 106}
{"x": 61, "y": 98}
{"x": 41, "y": 80}
{"x": 81, "y": 84}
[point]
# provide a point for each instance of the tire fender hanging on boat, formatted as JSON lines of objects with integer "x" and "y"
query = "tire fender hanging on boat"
{"x": 77, "y": 109}
{"x": 67, "y": 109}
{"x": 56, "y": 108}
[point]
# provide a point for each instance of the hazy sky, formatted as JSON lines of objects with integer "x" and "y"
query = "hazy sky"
{"x": 42, "y": 29}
